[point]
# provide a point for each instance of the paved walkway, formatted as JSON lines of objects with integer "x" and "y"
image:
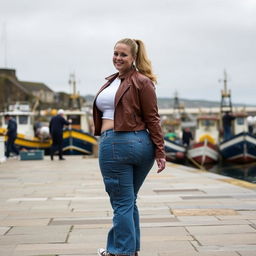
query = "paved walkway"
{"x": 60, "y": 208}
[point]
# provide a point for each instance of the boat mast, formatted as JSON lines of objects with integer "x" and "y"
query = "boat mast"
{"x": 74, "y": 100}
{"x": 225, "y": 104}
{"x": 176, "y": 103}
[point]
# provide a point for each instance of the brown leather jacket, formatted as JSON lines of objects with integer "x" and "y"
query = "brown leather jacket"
{"x": 135, "y": 108}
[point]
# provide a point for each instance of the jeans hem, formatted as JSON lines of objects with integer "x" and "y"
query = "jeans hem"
{"x": 122, "y": 253}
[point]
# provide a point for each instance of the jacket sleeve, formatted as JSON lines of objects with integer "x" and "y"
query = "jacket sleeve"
{"x": 65, "y": 122}
{"x": 151, "y": 117}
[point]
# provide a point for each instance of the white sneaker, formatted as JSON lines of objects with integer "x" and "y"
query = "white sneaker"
{"x": 102, "y": 252}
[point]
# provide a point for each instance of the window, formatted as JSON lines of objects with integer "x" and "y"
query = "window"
{"x": 23, "y": 119}
{"x": 75, "y": 119}
{"x": 207, "y": 123}
{"x": 240, "y": 120}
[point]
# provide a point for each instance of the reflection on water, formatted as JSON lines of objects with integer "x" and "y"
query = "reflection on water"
{"x": 243, "y": 172}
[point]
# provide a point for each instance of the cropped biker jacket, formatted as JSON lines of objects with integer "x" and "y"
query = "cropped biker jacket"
{"x": 135, "y": 108}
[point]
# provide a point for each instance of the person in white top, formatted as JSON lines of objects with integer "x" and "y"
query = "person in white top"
{"x": 126, "y": 118}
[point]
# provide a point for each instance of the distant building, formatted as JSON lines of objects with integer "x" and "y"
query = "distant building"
{"x": 13, "y": 90}
{"x": 40, "y": 91}
{"x": 36, "y": 94}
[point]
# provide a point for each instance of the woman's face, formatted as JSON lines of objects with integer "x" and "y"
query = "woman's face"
{"x": 122, "y": 58}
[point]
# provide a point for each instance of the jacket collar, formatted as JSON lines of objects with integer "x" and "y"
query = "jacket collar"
{"x": 110, "y": 79}
{"x": 112, "y": 76}
{"x": 125, "y": 84}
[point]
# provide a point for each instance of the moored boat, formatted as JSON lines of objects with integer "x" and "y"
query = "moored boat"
{"x": 78, "y": 142}
{"x": 240, "y": 145}
{"x": 204, "y": 150}
{"x": 175, "y": 151}
{"x": 240, "y": 148}
{"x": 76, "y": 139}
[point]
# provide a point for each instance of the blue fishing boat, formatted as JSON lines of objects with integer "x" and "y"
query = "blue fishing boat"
{"x": 240, "y": 148}
{"x": 75, "y": 142}
{"x": 174, "y": 150}
{"x": 78, "y": 142}
{"x": 240, "y": 145}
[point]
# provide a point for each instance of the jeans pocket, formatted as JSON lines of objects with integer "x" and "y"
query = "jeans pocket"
{"x": 123, "y": 150}
{"x": 112, "y": 186}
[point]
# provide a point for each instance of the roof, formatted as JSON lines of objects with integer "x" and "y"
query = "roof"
{"x": 33, "y": 86}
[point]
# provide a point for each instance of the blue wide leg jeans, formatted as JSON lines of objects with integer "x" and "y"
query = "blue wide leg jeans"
{"x": 125, "y": 159}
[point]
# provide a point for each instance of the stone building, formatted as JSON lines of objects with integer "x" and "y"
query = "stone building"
{"x": 40, "y": 91}
{"x": 13, "y": 90}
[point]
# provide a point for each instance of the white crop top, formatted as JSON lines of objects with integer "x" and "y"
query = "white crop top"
{"x": 105, "y": 101}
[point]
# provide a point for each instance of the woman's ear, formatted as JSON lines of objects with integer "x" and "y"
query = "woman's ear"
{"x": 134, "y": 61}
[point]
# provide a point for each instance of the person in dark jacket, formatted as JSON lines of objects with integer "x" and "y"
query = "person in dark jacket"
{"x": 56, "y": 131}
{"x": 12, "y": 134}
{"x": 186, "y": 137}
{"x": 227, "y": 120}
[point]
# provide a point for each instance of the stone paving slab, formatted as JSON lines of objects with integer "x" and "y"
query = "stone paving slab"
{"x": 38, "y": 238}
{"x": 203, "y": 212}
{"x": 3, "y": 230}
{"x": 247, "y": 253}
{"x": 39, "y": 230}
{"x": 24, "y": 222}
{"x": 227, "y": 248}
{"x": 253, "y": 221}
{"x": 60, "y": 208}
{"x": 7, "y": 250}
{"x": 53, "y": 249}
{"x": 227, "y": 239}
{"x": 199, "y": 254}
{"x": 224, "y": 229}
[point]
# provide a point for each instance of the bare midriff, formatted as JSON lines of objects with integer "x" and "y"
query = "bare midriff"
{"x": 107, "y": 124}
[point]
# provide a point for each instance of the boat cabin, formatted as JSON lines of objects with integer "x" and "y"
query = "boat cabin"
{"x": 23, "y": 116}
{"x": 207, "y": 129}
{"x": 79, "y": 119}
{"x": 240, "y": 123}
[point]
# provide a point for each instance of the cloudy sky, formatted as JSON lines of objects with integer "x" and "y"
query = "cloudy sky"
{"x": 190, "y": 43}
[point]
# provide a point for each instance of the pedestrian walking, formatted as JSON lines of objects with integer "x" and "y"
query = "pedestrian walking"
{"x": 56, "y": 131}
{"x": 12, "y": 134}
{"x": 126, "y": 118}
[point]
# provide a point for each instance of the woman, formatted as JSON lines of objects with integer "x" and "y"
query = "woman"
{"x": 126, "y": 118}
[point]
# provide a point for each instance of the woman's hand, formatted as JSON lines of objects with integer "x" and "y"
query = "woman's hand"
{"x": 161, "y": 164}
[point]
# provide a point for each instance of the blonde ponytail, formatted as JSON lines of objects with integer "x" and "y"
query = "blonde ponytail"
{"x": 143, "y": 64}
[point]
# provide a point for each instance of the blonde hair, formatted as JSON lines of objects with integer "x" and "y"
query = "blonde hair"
{"x": 142, "y": 63}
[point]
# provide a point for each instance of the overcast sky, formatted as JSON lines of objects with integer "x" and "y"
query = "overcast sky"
{"x": 190, "y": 43}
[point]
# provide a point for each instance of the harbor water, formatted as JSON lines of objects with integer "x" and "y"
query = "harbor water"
{"x": 245, "y": 172}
